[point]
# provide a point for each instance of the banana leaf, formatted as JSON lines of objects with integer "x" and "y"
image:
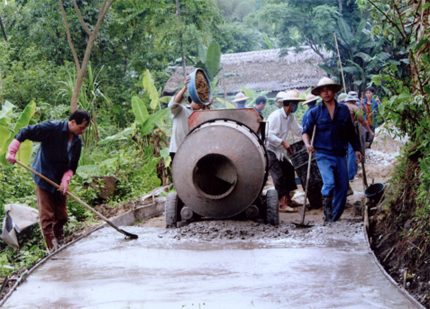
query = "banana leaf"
{"x": 139, "y": 109}
{"x": 345, "y": 31}
{"x": 5, "y": 134}
{"x": 23, "y": 121}
{"x": 148, "y": 85}
{"x": 24, "y": 152}
{"x": 213, "y": 59}
{"x": 7, "y": 109}
{"x": 149, "y": 124}
{"x": 119, "y": 136}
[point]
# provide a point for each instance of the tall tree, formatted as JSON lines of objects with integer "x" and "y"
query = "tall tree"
{"x": 81, "y": 68}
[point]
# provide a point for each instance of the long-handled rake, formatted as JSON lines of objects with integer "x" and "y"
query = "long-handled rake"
{"x": 129, "y": 235}
{"x": 302, "y": 224}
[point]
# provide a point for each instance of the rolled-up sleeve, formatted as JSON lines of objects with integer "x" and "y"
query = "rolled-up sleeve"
{"x": 175, "y": 108}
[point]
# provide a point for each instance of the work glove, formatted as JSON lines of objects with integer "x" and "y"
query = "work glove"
{"x": 13, "y": 149}
{"x": 65, "y": 181}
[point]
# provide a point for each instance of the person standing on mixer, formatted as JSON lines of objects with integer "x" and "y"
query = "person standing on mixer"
{"x": 181, "y": 111}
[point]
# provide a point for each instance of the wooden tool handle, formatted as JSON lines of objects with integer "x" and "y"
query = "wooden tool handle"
{"x": 78, "y": 200}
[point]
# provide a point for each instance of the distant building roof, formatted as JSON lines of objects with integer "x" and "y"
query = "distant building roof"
{"x": 263, "y": 70}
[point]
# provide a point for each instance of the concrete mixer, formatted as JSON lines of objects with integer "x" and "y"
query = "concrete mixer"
{"x": 220, "y": 169}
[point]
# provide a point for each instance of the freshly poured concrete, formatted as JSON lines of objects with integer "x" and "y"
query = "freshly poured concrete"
{"x": 323, "y": 267}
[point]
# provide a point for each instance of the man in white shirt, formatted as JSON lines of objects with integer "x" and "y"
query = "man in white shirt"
{"x": 181, "y": 112}
{"x": 281, "y": 123}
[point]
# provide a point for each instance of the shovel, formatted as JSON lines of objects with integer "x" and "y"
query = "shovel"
{"x": 302, "y": 224}
{"x": 129, "y": 235}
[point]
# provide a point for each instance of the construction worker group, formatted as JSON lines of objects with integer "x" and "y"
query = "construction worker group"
{"x": 337, "y": 146}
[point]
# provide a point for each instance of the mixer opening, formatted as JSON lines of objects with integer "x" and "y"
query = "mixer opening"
{"x": 215, "y": 176}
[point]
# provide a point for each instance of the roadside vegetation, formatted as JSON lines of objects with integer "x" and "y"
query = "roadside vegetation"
{"x": 382, "y": 43}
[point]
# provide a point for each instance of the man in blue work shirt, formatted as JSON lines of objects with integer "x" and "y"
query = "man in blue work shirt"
{"x": 57, "y": 159}
{"x": 334, "y": 129}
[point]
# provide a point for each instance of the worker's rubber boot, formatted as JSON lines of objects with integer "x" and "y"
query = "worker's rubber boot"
{"x": 350, "y": 191}
{"x": 328, "y": 208}
{"x": 54, "y": 246}
{"x": 49, "y": 237}
{"x": 59, "y": 235}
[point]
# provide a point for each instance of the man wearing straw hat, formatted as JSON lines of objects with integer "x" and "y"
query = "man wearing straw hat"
{"x": 334, "y": 129}
{"x": 281, "y": 122}
{"x": 180, "y": 111}
{"x": 356, "y": 115}
{"x": 240, "y": 100}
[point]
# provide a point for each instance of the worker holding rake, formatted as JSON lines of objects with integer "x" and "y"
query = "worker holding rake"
{"x": 334, "y": 130}
{"x": 57, "y": 159}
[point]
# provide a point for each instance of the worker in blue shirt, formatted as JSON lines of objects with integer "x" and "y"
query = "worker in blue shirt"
{"x": 334, "y": 129}
{"x": 57, "y": 159}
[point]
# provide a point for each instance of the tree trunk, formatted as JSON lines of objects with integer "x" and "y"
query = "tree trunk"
{"x": 82, "y": 72}
{"x": 82, "y": 68}
{"x": 340, "y": 6}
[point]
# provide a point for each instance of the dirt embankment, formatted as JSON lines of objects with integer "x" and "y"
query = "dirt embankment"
{"x": 404, "y": 253}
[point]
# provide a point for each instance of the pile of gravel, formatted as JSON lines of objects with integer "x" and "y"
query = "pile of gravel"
{"x": 231, "y": 230}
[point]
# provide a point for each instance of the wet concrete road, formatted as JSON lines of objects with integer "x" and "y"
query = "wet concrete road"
{"x": 322, "y": 267}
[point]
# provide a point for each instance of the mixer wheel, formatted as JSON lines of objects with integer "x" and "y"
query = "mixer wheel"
{"x": 171, "y": 210}
{"x": 272, "y": 207}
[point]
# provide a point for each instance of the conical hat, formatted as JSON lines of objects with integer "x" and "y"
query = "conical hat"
{"x": 292, "y": 95}
{"x": 323, "y": 82}
{"x": 240, "y": 97}
{"x": 310, "y": 98}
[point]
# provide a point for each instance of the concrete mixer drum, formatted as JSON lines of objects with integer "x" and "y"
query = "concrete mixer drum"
{"x": 220, "y": 169}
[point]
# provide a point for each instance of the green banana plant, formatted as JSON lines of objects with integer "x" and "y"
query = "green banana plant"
{"x": 8, "y": 134}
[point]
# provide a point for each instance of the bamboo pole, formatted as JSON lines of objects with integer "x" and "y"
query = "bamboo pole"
{"x": 340, "y": 63}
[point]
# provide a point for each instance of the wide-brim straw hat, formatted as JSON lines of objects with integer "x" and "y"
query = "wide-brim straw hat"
{"x": 310, "y": 98}
{"x": 342, "y": 97}
{"x": 292, "y": 95}
{"x": 240, "y": 97}
{"x": 326, "y": 82}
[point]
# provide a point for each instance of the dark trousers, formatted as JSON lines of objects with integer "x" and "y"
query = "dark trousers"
{"x": 172, "y": 155}
{"x": 282, "y": 173}
{"x": 52, "y": 214}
